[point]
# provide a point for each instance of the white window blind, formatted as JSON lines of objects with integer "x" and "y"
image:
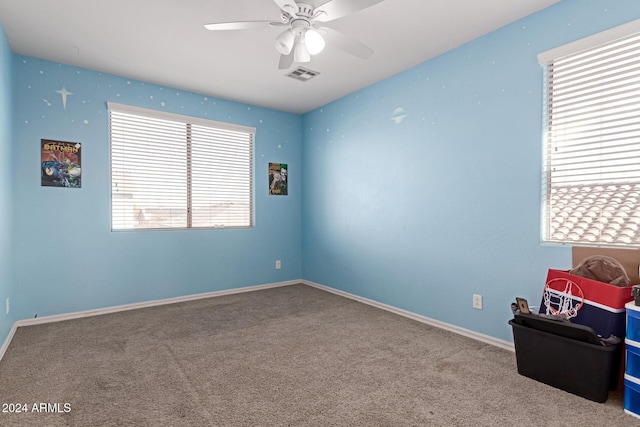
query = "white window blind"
{"x": 592, "y": 145}
{"x": 172, "y": 171}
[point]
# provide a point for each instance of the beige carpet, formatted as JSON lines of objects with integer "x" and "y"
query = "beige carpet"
{"x": 289, "y": 356}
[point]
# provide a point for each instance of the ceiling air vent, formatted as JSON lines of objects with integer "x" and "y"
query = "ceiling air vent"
{"x": 302, "y": 74}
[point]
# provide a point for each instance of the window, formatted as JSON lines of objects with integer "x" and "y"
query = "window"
{"x": 170, "y": 171}
{"x": 592, "y": 140}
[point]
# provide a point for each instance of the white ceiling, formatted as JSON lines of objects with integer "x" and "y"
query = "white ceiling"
{"x": 165, "y": 42}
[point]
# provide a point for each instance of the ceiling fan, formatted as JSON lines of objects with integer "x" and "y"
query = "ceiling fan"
{"x": 306, "y": 35}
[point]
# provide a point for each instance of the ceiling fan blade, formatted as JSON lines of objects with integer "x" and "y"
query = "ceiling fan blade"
{"x": 288, "y": 6}
{"x": 239, "y": 25}
{"x": 335, "y": 9}
{"x": 285, "y": 61}
{"x": 346, "y": 43}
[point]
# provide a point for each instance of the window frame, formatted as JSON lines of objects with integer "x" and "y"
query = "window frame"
{"x": 605, "y": 186}
{"x": 189, "y": 122}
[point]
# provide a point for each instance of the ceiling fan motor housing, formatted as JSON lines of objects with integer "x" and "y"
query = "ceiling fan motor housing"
{"x": 306, "y": 33}
{"x": 305, "y": 10}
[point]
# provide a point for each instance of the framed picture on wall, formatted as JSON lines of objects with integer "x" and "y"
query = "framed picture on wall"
{"x": 278, "y": 184}
{"x": 61, "y": 164}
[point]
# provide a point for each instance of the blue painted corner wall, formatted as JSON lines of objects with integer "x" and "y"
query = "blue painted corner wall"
{"x": 67, "y": 259}
{"x": 6, "y": 178}
{"x": 417, "y": 191}
{"x": 424, "y": 189}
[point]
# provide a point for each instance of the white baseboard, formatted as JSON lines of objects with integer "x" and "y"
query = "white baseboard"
{"x": 145, "y": 304}
{"x": 100, "y": 311}
{"x": 134, "y": 306}
{"x": 442, "y": 325}
{"x": 7, "y": 341}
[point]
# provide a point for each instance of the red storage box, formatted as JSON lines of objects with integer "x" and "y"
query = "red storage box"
{"x": 589, "y": 302}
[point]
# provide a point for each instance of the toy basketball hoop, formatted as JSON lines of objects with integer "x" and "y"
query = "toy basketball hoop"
{"x": 566, "y": 299}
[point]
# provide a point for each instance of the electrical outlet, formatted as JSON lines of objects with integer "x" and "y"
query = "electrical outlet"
{"x": 278, "y": 264}
{"x": 477, "y": 301}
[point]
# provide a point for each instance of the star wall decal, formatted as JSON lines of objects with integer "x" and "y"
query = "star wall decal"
{"x": 64, "y": 93}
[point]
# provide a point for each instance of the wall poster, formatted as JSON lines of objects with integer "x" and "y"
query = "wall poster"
{"x": 61, "y": 164}
{"x": 278, "y": 179}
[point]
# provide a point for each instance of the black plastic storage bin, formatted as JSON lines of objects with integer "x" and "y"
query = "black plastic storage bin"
{"x": 566, "y": 356}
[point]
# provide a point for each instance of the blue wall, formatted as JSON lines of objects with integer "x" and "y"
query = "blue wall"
{"x": 425, "y": 188}
{"x": 417, "y": 191}
{"x": 6, "y": 178}
{"x": 66, "y": 257}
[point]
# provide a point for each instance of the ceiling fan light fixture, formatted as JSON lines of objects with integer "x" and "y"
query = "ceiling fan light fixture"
{"x": 313, "y": 41}
{"x": 284, "y": 42}
{"x": 300, "y": 52}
